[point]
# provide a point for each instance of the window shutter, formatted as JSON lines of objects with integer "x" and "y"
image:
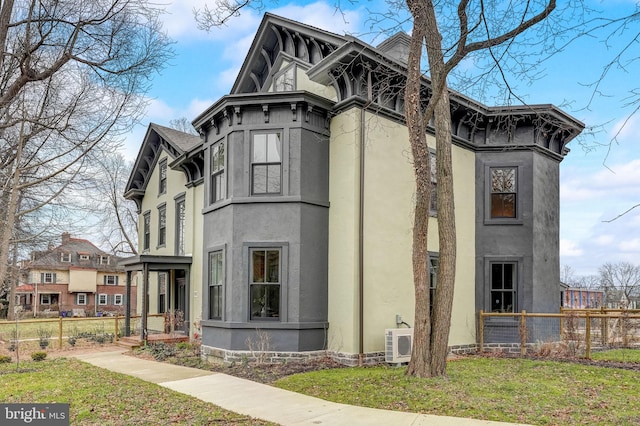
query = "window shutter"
{"x": 54, "y": 277}
{"x": 42, "y": 278}
{"x": 104, "y": 280}
{"x": 117, "y": 278}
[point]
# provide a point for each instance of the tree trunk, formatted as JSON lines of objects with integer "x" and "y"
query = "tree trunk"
{"x": 420, "y": 363}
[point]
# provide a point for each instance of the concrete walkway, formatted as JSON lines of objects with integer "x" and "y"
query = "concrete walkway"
{"x": 263, "y": 401}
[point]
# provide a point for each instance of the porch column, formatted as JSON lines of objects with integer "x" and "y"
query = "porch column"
{"x": 145, "y": 308}
{"x": 127, "y": 312}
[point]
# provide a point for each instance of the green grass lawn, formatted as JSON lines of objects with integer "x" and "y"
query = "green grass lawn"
{"x": 511, "y": 390}
{"x": 97, "y": 396}
{"x": 618, "y": 355}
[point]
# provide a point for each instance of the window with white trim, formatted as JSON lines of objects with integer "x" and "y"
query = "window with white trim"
{"x": 110, "y": 280}
{"x": 180, "y": 226}
{"x": 84, "y": 257}
{"x": 104, "y": 260}
{"x": 81, "y": 298}
{"x": 45, "y": 299}
{"x": 102, "y": 299}
{"x": 118, "y": 299}
{"x": 48, "y": 277}
{"x": 65, "y": 257}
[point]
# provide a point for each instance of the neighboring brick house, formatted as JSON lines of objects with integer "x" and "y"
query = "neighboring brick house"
{"x": 75, "y": 275}
{"x": 291, "y": 214}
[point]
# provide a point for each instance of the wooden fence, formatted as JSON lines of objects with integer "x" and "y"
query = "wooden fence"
{"x": 577, "y": 330}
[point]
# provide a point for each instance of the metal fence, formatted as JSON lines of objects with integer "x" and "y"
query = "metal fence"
{"x": 572, "y": 332}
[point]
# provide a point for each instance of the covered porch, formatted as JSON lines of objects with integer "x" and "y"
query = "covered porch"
{"x": 167, "y": 279}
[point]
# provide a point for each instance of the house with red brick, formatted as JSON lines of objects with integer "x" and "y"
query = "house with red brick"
{"x": 74, "y": 278}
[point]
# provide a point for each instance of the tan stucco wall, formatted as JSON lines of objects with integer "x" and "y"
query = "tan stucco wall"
{"x": 388, "y": 209}
{"x": 194, "y": 199}
{"x": 83, "y": 280}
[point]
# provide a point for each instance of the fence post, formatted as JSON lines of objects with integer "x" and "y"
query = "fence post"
{"x": 59, "y": 332}
{"x": 116, "y": 338}
{"x": 523, "y": 333}
{"x": 562, "y": 314}
{"x": 481, "y": 331}
{"x": 588, "y": 335}
{"x": 604, "y": 328}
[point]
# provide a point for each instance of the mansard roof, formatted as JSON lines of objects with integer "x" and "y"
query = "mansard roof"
{"x": 184, "y": 149}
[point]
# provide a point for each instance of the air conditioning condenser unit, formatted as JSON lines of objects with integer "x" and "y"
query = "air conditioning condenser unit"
{"x": 398, "y": 345}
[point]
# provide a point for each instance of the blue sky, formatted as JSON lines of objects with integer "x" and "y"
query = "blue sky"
{"x": 596, "y": 185}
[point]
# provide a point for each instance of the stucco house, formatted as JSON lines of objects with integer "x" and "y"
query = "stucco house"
{"x": 291, "y": 213}
{"x": 73, "y": 277}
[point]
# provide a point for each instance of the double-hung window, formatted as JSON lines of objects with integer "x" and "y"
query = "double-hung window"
{"x": 146, "y": 241}
{"x": 102, "y": 299}
{"x": 81, "y": 299}
{"x": 266, "y": 163}
{"x": 216, "y": 277}
{"x": 433, "y": 278}
{"x": 162, "y": 292}
{"x": 503, "y": 286}
{"x": 433, "y": 205}
{"x": 118, "y": 299}
{"x": 503, "y": 192}
{"x": 180, "y": 226}
{"x": 162, "y": 225}
{"x": 218, "y": 181}
{"x": 110, "y": 280}
{"x": 265, "y": 284}
{"x": 162, "y": 184}
{"x": 48, "y": 278}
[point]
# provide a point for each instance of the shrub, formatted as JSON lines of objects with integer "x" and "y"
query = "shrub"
{"x": 5, "y": 359}
{"x": 38, "y": 356}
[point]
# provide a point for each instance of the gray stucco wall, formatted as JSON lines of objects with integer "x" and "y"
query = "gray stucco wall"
{"x": 295, "y": 222}
{"x": 531, "y": 239}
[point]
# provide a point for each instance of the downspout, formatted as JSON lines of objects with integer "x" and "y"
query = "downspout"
{"x": 361, "y": 227}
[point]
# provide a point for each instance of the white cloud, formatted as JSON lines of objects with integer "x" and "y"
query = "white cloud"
{"x": 604, "y": 240}
{"x": 632, "y": 245}
{"x": 570, "y": 249}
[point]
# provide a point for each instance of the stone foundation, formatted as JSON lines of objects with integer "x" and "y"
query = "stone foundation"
{"x": 227, "y": 357}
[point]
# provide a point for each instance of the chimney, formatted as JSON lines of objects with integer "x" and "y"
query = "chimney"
{"x": 397, "y": 47}
{"x": 65, "y": 237}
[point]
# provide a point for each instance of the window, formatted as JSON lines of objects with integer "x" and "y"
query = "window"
{"x": 162, "y": 184}
{"x": 104, "y": 260}
{"x": 81, "y": 299}
{"x": 110, "y": 280}
{"x": 503, "y": 287}
{"x": 162, "y": 225}
{"x": 45, "y": 299}
{"x": 433, "y": 277}
{"x": 216, "y": 274}
{"x": 118, "y": 299}
{"x": 218, "y": 182}
{"x": 180, "y": 224}
{"x": 84, "y": 256}
{"x": 265, "y": 284}
{"x": 147, "y": 231}
{"x": 162, "y": 292}
{"x": 102, "y": 299}
{"x": 433, "y": 207}
{"x": 266, "y": 166}
{"x": 48, "y": 278}
{"x": 503, "y": 192}
{"x": 65, "y": 257}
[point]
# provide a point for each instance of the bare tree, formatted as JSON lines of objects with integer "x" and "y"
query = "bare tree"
{"x": 72, "y": 76}
{"x": 183, "y": 124}
{"x": 117, "y": 216}
{"x": 621, "y": 282}
{"x": 448, "y": 33}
